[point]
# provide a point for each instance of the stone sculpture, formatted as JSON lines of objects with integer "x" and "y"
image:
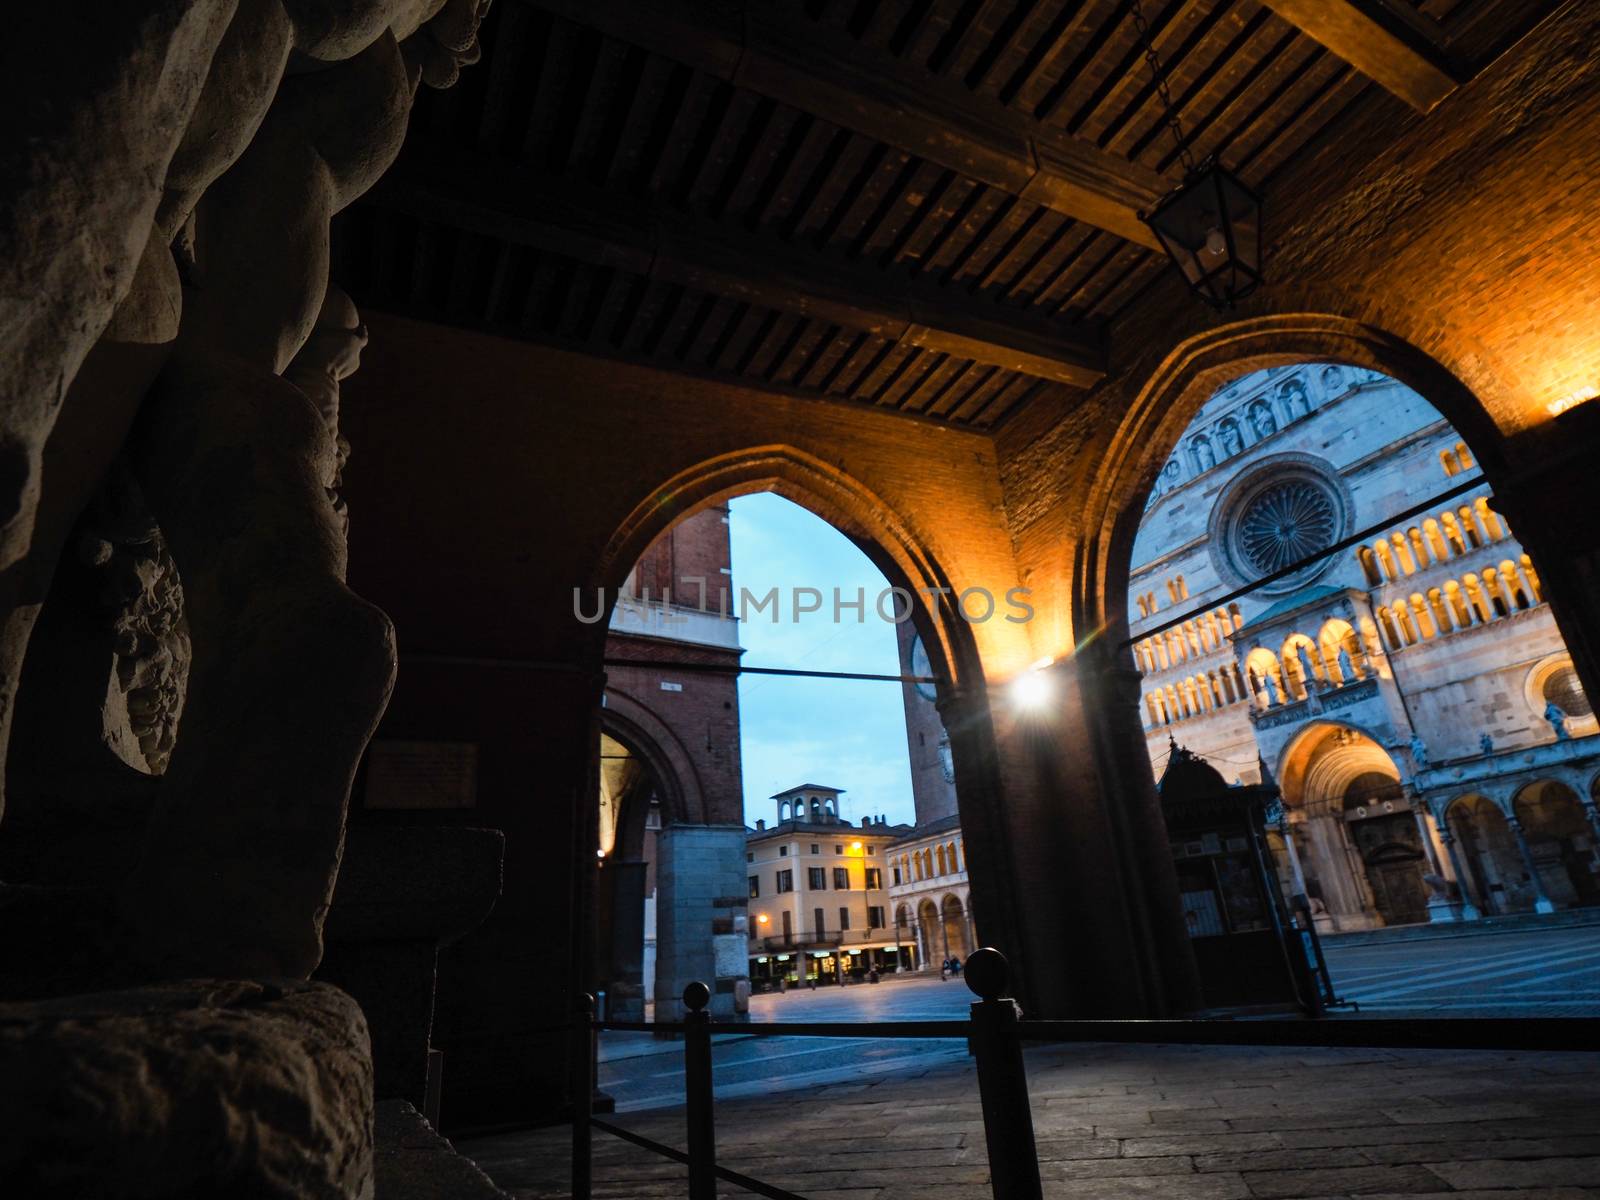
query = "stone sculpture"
{"x": 1557, "y": 716}
{"x": 1307, "y": 673}
{"x": 1347, "y": 669}
{"x": 169, "y": 413}
{"x": 1292, "y": 395}
{"x": 1419, "y": 751}
{"x": 1262, "y": 420}
{"x": 206, "y": 303}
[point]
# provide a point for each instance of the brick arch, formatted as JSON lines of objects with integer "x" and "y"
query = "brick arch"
{"x": 1190, "y": 373}
{"x": 631, "y": 723}
{"x": 837, "y": 498}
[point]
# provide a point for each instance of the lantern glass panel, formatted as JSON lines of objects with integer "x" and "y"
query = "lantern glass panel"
{"x": 1211, "y": 228}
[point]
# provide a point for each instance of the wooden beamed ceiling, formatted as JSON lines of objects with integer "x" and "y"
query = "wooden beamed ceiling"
{"x": 928, "y": 206}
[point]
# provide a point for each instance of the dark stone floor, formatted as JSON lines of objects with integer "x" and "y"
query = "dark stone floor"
{"x": 1180, "y": 1123}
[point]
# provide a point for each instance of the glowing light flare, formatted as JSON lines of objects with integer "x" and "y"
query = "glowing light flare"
{"x": 1032, "y": 691}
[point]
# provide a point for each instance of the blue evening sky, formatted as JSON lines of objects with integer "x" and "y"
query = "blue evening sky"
{"x": 843, "y": 733}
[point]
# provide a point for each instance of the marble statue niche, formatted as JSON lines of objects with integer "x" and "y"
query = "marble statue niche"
{"x": 1204, "y": 458}
{"x": 1229, "y": 437}
{"x": 1292, "y": 395}
{"x": 1261, "y": 420}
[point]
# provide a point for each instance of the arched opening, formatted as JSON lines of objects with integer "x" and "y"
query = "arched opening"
{"x": 638, "y": 795}
{"x": 1561, "y": 843}
{"x": 954, "y": 931}
{"x": 816, "y": 897}
{"x": 1500, "y": 882}
{"x": 930, "y": 934}
{"x": 1348, "y": 625}
{"x": 1360, "y": 843}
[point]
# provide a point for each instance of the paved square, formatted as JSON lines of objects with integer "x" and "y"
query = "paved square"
{"x": 1180, "y": 1123}
{"x": 876, "y": 1119}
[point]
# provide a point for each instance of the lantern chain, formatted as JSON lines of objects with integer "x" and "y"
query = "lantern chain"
{"x": 1158, "y": 72}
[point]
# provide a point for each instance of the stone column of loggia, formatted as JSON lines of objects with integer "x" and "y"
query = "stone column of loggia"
{"x": 1469, "y": 910}
{"x": 1541, "y": 901}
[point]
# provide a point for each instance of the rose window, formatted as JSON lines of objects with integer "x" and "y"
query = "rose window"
{"x": 1286, "y": 523}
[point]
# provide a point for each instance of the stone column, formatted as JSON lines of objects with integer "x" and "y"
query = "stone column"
{"x": 1062, "y": 821}
{"x": 1469, "y": 911}
{"x": 1593, "y": 813}
{"x": 1286, "y": 831}
{"x": 1441, "y": 909}
{"x": 1541, "y": 902}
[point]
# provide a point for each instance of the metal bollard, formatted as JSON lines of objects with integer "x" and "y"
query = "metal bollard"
{"x": 1002, "y": 1081}
{"x": 582, "y": 1096}
{"x": 697, "y": 1093}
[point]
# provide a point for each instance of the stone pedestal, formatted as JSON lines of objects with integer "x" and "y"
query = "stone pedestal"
{"x": 701, "y": 933}
{"x": 199, "y": 1088}
{"x": 1442, "y": 911}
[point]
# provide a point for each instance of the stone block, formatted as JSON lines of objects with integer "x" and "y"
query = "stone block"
{"x": 200, "y": 1088}
{"x": 415, "y": 1163}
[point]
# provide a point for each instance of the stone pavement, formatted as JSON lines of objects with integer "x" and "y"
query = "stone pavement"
{"x": 1180, "y": 1123}
{"x": 1532, "y": 971}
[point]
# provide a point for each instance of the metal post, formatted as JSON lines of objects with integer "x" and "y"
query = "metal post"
{"x": 697, "y": 1093}
{"x": 1002, "y": 1081}
{"x": 582, "y": 1096}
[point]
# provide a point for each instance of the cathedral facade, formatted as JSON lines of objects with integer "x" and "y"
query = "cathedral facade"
{"x": 1409, "y": 689}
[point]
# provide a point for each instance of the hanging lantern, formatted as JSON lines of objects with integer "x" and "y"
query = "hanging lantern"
{"x": 1210, "y": 226}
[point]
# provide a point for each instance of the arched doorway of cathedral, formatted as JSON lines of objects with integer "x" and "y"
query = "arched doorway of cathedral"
{"x": 723, "y": 912}
{"x": 1561, "y": 843}
{"x": 1359, "y": 842}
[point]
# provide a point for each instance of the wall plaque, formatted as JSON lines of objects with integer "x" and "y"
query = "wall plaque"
{"x": 422, "y": 775}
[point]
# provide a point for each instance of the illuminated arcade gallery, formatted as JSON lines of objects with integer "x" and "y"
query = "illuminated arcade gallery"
{"x": 1411, "y": 693}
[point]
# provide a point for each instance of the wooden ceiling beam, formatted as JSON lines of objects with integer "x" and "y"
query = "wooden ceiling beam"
{"x": 1395, "y": 46}
{"x": 822, "y": 71}
{"x": 525, "y": 206}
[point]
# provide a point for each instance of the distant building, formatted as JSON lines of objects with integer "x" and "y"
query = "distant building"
{"x": 818, "y": 902}
{"x": 928, "y": 887}
{"x": 671, "y": 799}
{"x": 929, "y": 891}
{"x": 1411, "y": 694}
